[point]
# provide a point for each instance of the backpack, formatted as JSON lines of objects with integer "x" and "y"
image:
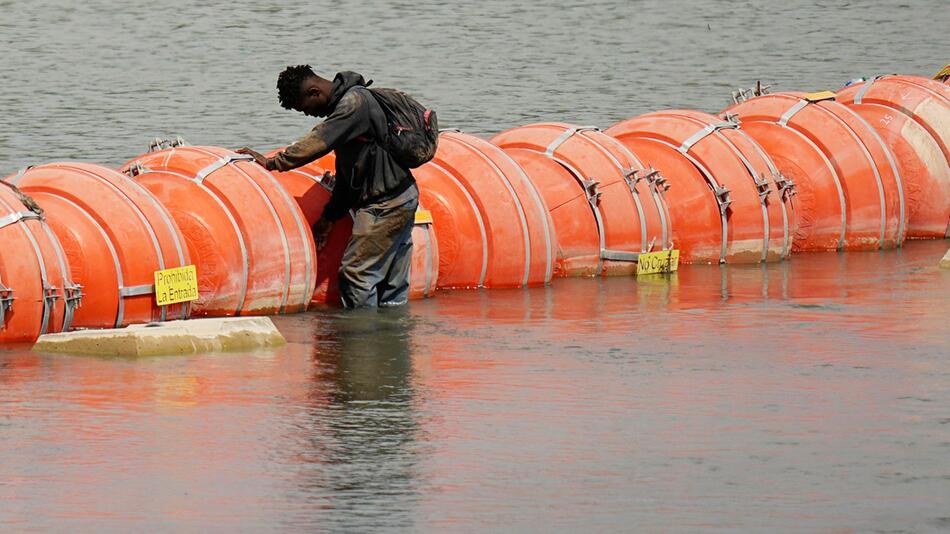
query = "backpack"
{"x": 413, "y": 134}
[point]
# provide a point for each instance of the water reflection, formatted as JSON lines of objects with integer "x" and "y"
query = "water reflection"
{"x": 675, "y": 399}
{"x": 360, "y": 429}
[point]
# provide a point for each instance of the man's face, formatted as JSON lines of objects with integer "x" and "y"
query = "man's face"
{"x": 314, "y": 98}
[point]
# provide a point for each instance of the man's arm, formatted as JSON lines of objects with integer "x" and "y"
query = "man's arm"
{"x": 348, "y": 121}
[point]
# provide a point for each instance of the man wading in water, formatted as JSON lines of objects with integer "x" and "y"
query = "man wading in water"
{"x": 372, "y": 175}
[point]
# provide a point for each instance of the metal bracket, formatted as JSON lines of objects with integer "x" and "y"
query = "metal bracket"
{"x": 732, "y": 118}
{"x": 762, "y": 186}
{"x": 592, "y": 190}
{"x": 786, "y": 186}
{"x": 703, "y": 133}
{"x": 619, "y": 255}
{"x": 136, "y": 169}
{"x": 14, "y": 218}
{"x": 722, "y": 197}
{"x": 160, "y": 143}
{"x": 73, "y": 297}
{"x": 135, "y": 291}
{"x": 741, "y": 95}
{"x": 6, "y": 301}
{"x": 50, "y": 296}
{"x": 230, "y": 158}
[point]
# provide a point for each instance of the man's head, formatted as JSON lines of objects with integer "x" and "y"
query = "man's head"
{"x": 300, "y": 89}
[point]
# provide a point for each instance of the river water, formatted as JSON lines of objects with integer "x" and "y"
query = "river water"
{"x": 811, "y": 395}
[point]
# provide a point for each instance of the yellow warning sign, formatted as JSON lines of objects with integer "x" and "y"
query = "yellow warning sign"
{"x": 819, "y": 96}
{"x": 423, "y": 217}
{"x": 665, "y": 261}
{"x": 176, "y": 285}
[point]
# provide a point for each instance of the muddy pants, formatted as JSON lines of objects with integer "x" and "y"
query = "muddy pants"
{"x": 375, "y": 268}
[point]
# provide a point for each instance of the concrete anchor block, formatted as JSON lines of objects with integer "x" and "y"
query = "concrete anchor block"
{"x": 945, "y": 262}
{"x": 174, "y": 337}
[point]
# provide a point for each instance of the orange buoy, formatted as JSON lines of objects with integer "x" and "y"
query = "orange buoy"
{"x": 37, "y": 295}
{"x": 249, "y": 240}
{"x": 607, "y": 207}
{"x": 926, "y": 101}
{"x": 913, "y": 118}
{"x": 311, "y": 188}
{"x": 424, "y": 270}
{"x": 492, "y": 225}
{"x": 742, "y": 189}
{"x": 869, "y": 188}
{"x": 115, "y": 236}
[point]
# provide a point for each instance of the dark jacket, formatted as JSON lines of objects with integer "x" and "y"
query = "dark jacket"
{"x": 365, "y": 172}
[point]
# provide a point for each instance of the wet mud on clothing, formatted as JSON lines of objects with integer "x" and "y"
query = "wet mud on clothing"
{"x": 365, "y": 171}
{"x": 375, "y": 268}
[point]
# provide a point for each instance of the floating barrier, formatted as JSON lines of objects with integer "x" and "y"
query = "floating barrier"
{"x": 830, "y": 153}
{"x": 744, "y": 218}
{"x": 912, "y": 116}
{"x": 491, "y": 223}
{"x": 37, "y": 295}
{"x": 251, "y": 244}
{"x": 115, "y": 236}
{"x": 606, "y": 206}
{"x": 311, "y": 187}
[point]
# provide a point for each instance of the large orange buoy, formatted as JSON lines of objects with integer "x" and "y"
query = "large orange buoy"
{"x": 115, "y": 236}
{"x": 926, "y": 101}
{"x": 249, "y": 240}
{"x": 37, "y": 295}
{"x": 492, "y": 225}
{"x": 912, "y": 115}
{"x": 311, "y": 187}
{"x": 607, "y": 207}
{"x": 743, "y": 192}
{"x": 869, "y": 188}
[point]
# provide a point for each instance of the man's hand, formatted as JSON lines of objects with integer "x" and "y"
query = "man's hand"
{"x": 321, "y": 230}
{"x": 258, "y": 157}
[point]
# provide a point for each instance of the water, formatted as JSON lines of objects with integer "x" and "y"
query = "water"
{"x": 802, "y": 396}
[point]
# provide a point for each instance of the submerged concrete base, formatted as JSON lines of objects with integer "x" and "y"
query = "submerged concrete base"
{"x": 945, "y": 262}
{"x": 173, "y": 337}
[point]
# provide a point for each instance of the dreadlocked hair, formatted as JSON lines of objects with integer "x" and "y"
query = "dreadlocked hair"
{"x": 288, "y": 84}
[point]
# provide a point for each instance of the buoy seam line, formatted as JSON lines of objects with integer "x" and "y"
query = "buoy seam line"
{"x": 285, "y": 290}
{"x": 542, "y": 209}
{"x": 120, "y": 278}
{"x": 874, "y": 170}
{"x": 245, "y": 257}
{"x": 310, "y": 275}
{"x": 172, "y": 229}
{"x": 658, "y": 200}
{"x": 478, "y": 218}
{"x": 787, "y": 244}
{"x": 518, "y": 207}
{"x": 897, "y": 175}
{"x": 633, "y": 194}
{"x": 715, "y": 187}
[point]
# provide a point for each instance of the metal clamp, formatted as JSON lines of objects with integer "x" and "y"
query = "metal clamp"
{"x": 741, "y": 95}
{"x": 786, "y": 186}
{"x": 568, "y": 133}
{"x": 14, "y": 218}
{"x": 6, "y": 301}
{"x": 592, "y": 190}
{"x": 50, "y": 296}
{"x": 703, "y": 133}
{"x": 732, "y": 118}
{"x": 136, "y": 169}
{"x": 230, "y": 158}
{"x": 73, "y": 298}
{"x": 160, "y": 143}
{"x": 619, "y": 255}
{"x": 762, "y": 186}
{"x": 722, "y": 197}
